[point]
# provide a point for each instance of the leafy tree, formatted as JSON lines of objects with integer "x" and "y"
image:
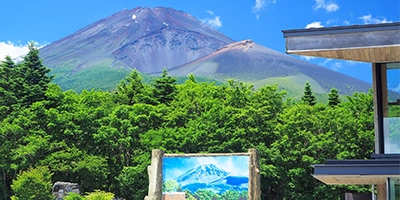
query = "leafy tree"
{"x": 164, "y": 88}
{"x": 99, "y": 195}
{"x": 74, "y": 196}
{"x": 333, "y": 99}
{"x": 75, "y": 165}
{"x": 308, "y": 97}
{"x": 131, "y": 90}
{"x": 238, "y": 93}
{"x": 103, "y": 140}
{"x": 132, "y": 182}
{"x": 33, "y": 184}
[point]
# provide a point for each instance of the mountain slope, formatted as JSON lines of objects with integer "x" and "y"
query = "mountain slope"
{"x": 151, "y": 39}
{"x": 148, "y": 39}
{"x": 250, "y": 62}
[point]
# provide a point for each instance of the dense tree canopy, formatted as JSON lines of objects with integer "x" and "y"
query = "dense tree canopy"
{"x": 103, "y": 140}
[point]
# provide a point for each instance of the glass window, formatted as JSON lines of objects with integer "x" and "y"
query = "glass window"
{"x": 394, "y": 188}
{"x": 391, "y": 119}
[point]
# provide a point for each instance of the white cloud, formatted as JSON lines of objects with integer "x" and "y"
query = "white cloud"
{"x": 331, "y": 21}
{"x": 368, "y": 19}
{"x": 336, "y": 65}
{"x": 210, "y": 12}
{"x": 216, "y": 22}
{"x": 325, "y": 62}
{"x": 213, "y": 22}
{"x": 314, "y": 25}
{"x": 308, "y": 58}
{"x": 12, "y": 50}
{"x": 328, "y": 6}
{"x": 396, "y": 89}
{"x": 261, "y": 5}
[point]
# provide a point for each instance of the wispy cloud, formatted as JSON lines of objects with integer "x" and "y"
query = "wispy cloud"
{"x": 12, "y": 50}
{"x": 314, "y": 25}
{"x": 328, "y": 6}
{"x": 261, "y": 5}
{"x": 337, "y": 65}
{"x": 214, "y": 22}
{"x": 368, "y": 19}
{"x": 396, "y": 89}
{"x": 325, "y": 62}
{"x": 332, "y": 21}
{"x": 210, "y": 12}
{"x": 308, "y": 58}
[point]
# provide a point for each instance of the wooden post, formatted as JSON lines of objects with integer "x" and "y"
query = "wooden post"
{"x": 381, "y": 191}
{"x": 155, "y": 175}
{"x": 254, "y": 176}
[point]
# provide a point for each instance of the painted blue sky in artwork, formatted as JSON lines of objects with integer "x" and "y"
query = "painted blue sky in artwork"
{"x": 176, "y": 166}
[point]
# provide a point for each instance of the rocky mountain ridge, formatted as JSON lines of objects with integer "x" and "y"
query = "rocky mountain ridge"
{"x": 133, "y": 39}
{"x": 152, "y": 39}
{"x": 250, "y": 62}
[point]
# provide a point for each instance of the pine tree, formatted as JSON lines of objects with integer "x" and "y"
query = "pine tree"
{"x": 308, "y": 97}
{"x": 129, "y": 89}
{"x": 192, "y": 78}
{"x": 333, "y": 99}
{"x": 8, "y": 83}
{"x": 35, "y": 76}
{"x": 164, "y": 88}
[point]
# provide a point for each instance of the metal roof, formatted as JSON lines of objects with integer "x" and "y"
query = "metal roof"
{"x": 341, "y": 29}
{"x": 371, "y": 171}
{"x": 375, "y": 43}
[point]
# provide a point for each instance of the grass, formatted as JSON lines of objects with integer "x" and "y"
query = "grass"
{"x": 106, "y": 79}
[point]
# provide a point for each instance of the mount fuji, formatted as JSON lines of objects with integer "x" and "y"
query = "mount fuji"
{"x": 99, "y": 55}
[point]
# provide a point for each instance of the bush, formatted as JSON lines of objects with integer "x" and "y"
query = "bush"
{"x": 33, "y": 184}
{"x": 74, "y": 196}
{"x": 99, "y": 195}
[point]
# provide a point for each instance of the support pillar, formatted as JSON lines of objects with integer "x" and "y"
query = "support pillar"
{"x": 381, "y": 192}
{"x": 155, "y": 175}
{"x": 254, "y": 190}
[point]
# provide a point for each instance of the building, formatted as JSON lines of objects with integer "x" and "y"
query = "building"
{"x": 378, "y": 44}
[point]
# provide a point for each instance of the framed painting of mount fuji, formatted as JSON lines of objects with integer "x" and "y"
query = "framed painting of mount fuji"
{"x": 205, "y": 176}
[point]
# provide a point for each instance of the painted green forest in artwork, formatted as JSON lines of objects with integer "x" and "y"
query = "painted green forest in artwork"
{"x": 103, "y": 140}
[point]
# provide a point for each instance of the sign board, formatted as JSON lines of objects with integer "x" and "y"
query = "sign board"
{"x": 233, "y": 176}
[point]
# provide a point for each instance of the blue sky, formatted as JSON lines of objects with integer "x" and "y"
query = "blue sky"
{"x": 176, "y": 166}
{"x": 46, "y": 21}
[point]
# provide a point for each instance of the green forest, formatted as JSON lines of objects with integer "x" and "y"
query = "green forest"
{"x": 103, "y": 140}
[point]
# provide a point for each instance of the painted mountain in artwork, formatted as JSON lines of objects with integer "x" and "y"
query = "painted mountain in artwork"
{"x": 209, "y": 176}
